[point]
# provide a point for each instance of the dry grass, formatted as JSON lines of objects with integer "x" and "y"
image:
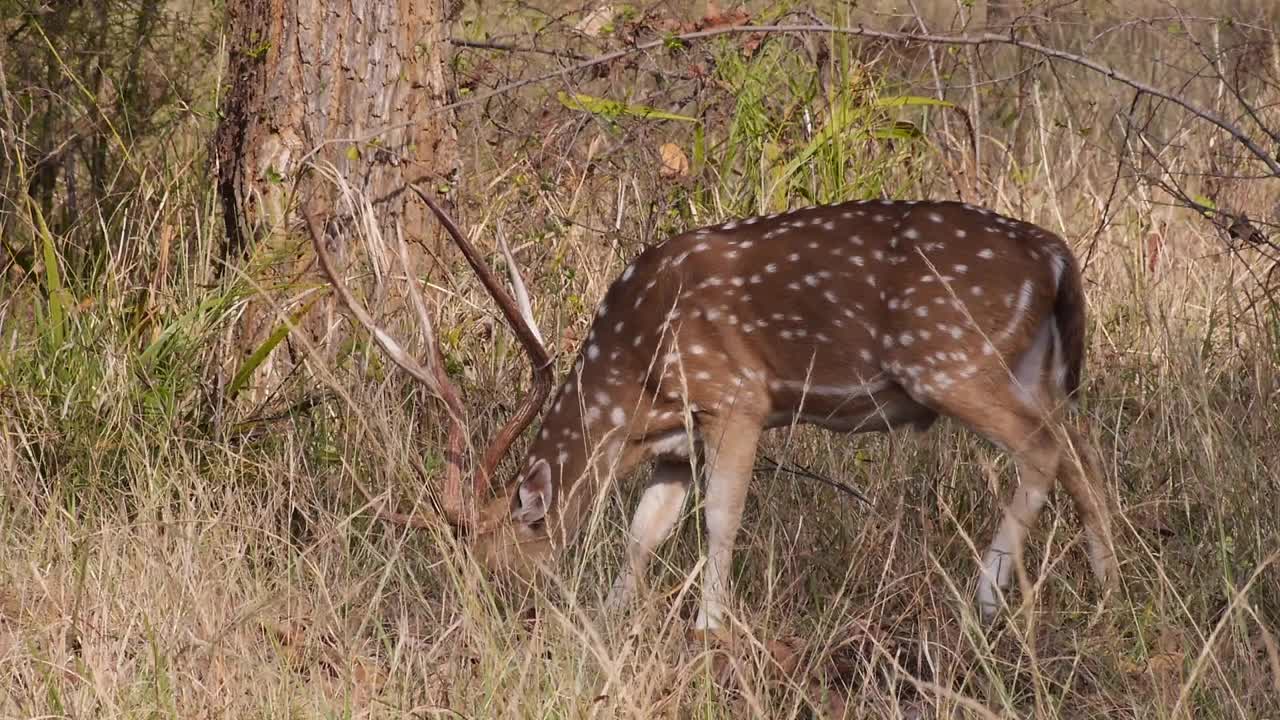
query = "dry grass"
{"x": 165, "y": 555}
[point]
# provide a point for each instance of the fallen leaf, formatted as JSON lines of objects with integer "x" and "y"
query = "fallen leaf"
{"x": 714, "y": 17}
{"x": 674, "y": 162}
{"x": 751, "y": 43}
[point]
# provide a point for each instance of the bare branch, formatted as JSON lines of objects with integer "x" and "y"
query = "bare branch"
{"x": 509, "y": 47}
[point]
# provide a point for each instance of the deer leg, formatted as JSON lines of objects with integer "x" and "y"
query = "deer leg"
{"x": 654, "y": 519}
{"x": 1022, "y": 432}
{"x": 1082, "y": 481}
{"x": 731, "y": 451}
{"x": 1037, "y": 459}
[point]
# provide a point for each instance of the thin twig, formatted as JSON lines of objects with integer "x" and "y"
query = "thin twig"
{"x": 804, "y": 472}
{"x": 511, "y": 47}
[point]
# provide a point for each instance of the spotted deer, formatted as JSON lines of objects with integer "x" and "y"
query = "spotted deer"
{"x": 857, "y": 317}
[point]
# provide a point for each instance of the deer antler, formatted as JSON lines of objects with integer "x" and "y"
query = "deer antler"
{"x": 517, "y": 284}
{"x": 433, "y": 376}
{"x": 525, "y": 331}
{"x": 436, "y": 379}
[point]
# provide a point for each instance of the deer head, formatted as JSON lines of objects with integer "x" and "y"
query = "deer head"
{"x": 465, "y": 505}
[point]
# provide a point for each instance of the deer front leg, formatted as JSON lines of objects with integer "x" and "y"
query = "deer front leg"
{"x": 731, "y": 451}
{"x": 654, "y": 519}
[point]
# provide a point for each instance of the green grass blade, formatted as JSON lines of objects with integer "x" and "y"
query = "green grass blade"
{"x": 910, "y": 101}
{"x": 52, "y": 277}
{"x": 260, "y": 353}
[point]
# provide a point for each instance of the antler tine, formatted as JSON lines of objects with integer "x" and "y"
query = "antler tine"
{"x": 525, "y": 331}
{"x": 434, "y": 377}
{"x": 517, "y": 285}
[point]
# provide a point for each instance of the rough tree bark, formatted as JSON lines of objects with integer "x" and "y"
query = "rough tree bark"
{"x": 307, "y": 74}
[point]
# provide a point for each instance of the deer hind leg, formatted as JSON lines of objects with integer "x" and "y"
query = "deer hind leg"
{"x": 1037, "y": 456}
{"x": 1045, "y": 450}
{"x": 1081, "y": 475}
{"x": 1013, "y": 425}
{"x": 731, "y": 451}
{"x": 654, "y": 519}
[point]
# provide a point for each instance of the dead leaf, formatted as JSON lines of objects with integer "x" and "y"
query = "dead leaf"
{"x": 751, "y": 43}
{"x": 714, "y": 17}
{"x": 674, "y": 162}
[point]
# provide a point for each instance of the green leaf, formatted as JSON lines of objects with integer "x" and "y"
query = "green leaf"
{"x": 1205, "y": 202}
{"x": 699, "y": 149}
{"x": 899, "y": 131}
{"x": 185, "y": 325}
{"x": 613, "y": 109}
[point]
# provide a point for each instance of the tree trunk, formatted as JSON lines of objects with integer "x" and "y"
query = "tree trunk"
{"x": 315, "y": 83}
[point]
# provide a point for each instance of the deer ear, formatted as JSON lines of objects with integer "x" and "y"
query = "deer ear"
{"x": 535, "y": 494}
